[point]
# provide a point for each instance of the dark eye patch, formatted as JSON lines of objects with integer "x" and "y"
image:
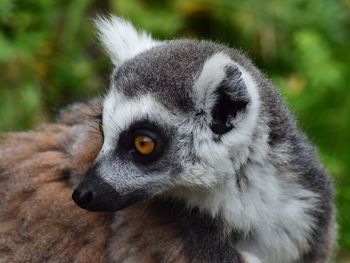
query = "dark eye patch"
{"x": 125, "y": 147}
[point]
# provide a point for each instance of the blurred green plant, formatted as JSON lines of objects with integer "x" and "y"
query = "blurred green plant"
{"x": 49, "y": 58}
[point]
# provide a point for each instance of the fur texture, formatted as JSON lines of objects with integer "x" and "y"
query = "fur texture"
{"x": 234, "y": 180}
{"x": 38, "y": 220}
{"x": 118, "y": 34}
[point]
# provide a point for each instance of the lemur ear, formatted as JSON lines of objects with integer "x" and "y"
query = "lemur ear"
{"x": 221, "y": 93}
{"x": 121, "y": 40}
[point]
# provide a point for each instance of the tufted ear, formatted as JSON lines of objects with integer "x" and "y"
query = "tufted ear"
{"x": 121, "y": 40}
{"x": 221, "y": 93}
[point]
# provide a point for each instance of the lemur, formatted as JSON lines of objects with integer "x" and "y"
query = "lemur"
{"x": 196, "y": 127}
{"x": 198, "y": 160}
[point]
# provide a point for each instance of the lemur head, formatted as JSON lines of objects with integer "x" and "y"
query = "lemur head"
{"x": 179, "y": 118}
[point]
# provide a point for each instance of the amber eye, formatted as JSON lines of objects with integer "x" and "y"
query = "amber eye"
{"x": 144, "y": 144}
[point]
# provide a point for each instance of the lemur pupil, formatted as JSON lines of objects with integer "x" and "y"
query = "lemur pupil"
{"x": 144, "y": 144}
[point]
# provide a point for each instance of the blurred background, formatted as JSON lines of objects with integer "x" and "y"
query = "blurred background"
{"x": 49, "y": 57}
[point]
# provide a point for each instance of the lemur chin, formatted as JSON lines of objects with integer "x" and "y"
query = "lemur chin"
{"x": 195, "y": 132}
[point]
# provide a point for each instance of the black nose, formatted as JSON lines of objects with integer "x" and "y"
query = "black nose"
{"x": 94, "y": 194}
{"x": 82, "y": 196}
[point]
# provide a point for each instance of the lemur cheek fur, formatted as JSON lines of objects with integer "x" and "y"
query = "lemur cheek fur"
{"x": 201, "y": 161}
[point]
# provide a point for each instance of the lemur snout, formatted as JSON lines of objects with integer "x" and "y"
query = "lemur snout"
{"x": 96, "y": 195}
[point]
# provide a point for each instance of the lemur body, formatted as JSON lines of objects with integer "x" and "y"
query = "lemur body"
{"x": 230, "y": 178}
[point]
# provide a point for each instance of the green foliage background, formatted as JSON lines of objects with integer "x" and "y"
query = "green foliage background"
{"x": 49, "y": 57}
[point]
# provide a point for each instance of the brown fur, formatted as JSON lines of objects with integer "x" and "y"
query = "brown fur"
{"x": 38, "y": 220}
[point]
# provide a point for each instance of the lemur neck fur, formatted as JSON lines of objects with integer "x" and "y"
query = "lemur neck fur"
{"x": 269, "y": 208}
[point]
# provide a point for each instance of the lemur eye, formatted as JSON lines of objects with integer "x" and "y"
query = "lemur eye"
{"x": 144, "y": 144}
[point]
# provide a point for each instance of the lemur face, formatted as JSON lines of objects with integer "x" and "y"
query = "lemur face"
{"x": 179, "y": 117}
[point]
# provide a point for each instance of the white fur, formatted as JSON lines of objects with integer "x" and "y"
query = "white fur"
{"x": 121, "y": 40}
{"x": 271, "y": 204}
{"x": 119, "y": 112}
{"x": 218, "y": 156}
{"x": 249, "y": 258}
{"x": 212, "y": 74}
